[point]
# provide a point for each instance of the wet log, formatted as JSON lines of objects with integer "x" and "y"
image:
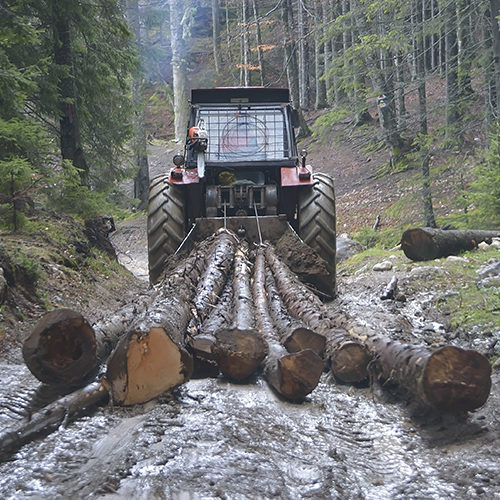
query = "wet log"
{"x": 426, "y": 243}
{"x": 240, "y": 349}
{"x": 61, "y": 349}
{"x": 152, "y": 358}
{"x": 449, "y": 379}
{"x": 50, "y": 417}
{"x": 348, "y": 357}
{"x": 204, "y": 312}
{"x": 293, "y": 333}
{"x": 64, "y": 350}
{"x": 294, "y": 375}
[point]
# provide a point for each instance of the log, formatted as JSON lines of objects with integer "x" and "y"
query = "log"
{"x": 152, "y": 357}
{"x": 449, "y": 379}
{"x": 61, "y": 349}
{"x": 293, "y": 333}
{"x": 240, "y": 349}
{"x": 348, "y": 357}
{"x": 391, "y": 290}
{"x": 64, "y": 350}
{"x": 426, "y": 243}
{"x": 208, "y": 290}
{"x": 50, "y": 417}
{"x": 294, "y": 375}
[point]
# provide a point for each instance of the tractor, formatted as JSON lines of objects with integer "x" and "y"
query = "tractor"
{"x": 240, "y": 169}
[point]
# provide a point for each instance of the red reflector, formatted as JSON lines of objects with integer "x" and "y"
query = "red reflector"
{"x": 177, "y": 174}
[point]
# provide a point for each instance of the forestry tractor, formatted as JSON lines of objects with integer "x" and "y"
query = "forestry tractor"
{"x": 240, "y": 169}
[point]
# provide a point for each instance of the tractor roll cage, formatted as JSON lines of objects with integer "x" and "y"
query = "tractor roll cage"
{"x": 245, "y": 134}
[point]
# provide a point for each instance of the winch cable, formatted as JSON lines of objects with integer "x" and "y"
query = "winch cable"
{"x": 258, "y": 223}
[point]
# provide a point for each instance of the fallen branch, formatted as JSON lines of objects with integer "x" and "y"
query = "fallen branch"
{"x": 50, "y": 417}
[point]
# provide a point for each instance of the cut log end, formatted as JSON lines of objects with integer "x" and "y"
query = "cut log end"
{"x": 418, "y": 245}
{"x": 203, "y": 358}
{"x": 145, "y": 365}
{"x": 349, "y": 362}
{"x": 455, "y": 379}
{"x": 300, "y": 373}
{"x": 61, "y": 349}
{"x": 239, "y": 352}
{"x": 304, "y": 338}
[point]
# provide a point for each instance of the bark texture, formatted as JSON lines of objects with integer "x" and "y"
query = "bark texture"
{"x": 425, "y": 243}
{"x": 448, "y": 378}
{"x": 291, "y": 375}
{"x": 348, "y": 357}
{"x": 239, "y": 350}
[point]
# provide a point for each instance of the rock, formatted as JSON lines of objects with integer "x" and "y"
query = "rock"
{"x": 496, "y": 365}
{"x": 385, "y": 265}
{"x": 425, "y": 271}
{"x": 347, "y": 247}
{"x": 3, "y": 287}
{"x": 483, "y": 246}
{"x": 456, "y": 258}
{"x": 489, "y": 282}
{"x": 492, "y": 269}
{"x": 495, "y": 242}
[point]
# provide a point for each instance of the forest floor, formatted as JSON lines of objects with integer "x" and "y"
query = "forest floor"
{"x": 214, "y": 439}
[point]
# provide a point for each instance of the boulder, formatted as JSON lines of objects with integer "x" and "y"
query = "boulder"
{"x": 347, "y": 247}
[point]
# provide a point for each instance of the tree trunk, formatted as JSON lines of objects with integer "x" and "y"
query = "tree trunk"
{"x": 494, "y": 73}
{"x": 292, "y": 375}
{"x": 70, "y": 136}
{"x": 139, "y": 142}
{"x": 239, "y": 350}
{"x": 427, "y": 192}
{"x": 464, "y": 38}
{"x": 304, "y": 69}
{"x": 319, "y": 61}
{"x": 180, "y": 84}
{"x": 258, "y": 38}
{"x": 448, "y": 378}
{"x": 452, "y": 97}
{"x": 348, "y": 358}
{"x": 426, "y": 243}
{"x": 245, "y": 45}
{"x": 293, "y": 333}
{"x": 216, "y": 36}
{"x": 420, "y": 70}
{"x": 208, "y": 290}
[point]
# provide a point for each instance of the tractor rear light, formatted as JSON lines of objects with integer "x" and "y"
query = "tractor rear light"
{"x": 304, "y": 174}
{"x": 177, "y": 174}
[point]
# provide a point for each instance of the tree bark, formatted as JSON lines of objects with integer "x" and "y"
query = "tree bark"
{"x": 452, "y": 96}
{"x": 348, "y": 358}
{"x": 139, "y": 142}
{"x": 69, "y": 123}
{"x": 319, "y": 60}
{"x": 239, "y": 350}
{"x": 50, "y": 417}
{"x": 448, "y": 378}
{"x": 216, "y": 36}
{"x": 291, "y": 375}
{"x": 180, "y": 84}
{"x": 427, "y": 243}
{"x": 258, "y": 39}
{"x": 293, "y": 333}
{"x": 208, "y": 290}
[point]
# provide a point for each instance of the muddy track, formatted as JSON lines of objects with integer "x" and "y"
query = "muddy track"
{"x": 214, "y": 439}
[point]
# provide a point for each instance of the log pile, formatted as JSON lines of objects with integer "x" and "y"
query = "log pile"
{"x": 240, "y": 311}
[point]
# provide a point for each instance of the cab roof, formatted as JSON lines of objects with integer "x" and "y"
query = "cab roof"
{"x": 228, "y": 95}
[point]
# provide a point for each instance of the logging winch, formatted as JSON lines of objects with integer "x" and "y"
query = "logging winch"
{"x": 240, "y": 169}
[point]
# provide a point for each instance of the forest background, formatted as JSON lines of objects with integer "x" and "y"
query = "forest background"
{"x": 85, "y": 86}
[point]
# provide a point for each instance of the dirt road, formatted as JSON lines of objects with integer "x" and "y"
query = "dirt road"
{"x": 213, "y": 439}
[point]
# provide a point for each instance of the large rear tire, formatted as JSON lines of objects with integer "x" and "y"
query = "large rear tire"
{"x": 317, "y": 221}
{"x": 166, "y": 223}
